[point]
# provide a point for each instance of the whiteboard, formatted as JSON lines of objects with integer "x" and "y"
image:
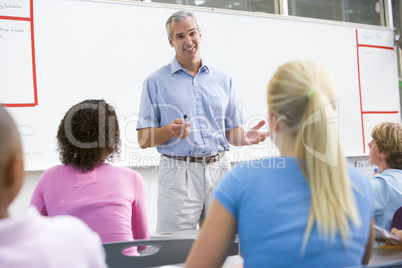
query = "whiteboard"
{"x": 65, "y": 51}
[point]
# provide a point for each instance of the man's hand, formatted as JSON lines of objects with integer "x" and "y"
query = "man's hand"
{"x": 150, "y": 137}
{"x": 253, "y": 136}
{"x": 238, "y": 137}
{"x": 180, "y": 130}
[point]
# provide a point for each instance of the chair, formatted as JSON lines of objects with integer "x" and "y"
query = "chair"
{"x": 168, "y": 251}
{"x": 397, "y": 219}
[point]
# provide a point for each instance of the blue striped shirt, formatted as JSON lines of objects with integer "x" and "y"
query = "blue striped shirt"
{"x": 207, "y": 99}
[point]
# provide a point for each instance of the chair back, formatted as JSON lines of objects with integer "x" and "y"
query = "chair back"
{"x": 163, "y": 252}
{"x": 397, "y": 219}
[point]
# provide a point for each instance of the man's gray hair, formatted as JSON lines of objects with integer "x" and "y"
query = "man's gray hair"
{"x": 178, "y": 17}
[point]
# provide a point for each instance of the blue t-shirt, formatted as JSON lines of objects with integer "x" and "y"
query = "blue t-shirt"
{"x": 270, "y": 200}
{"x": 387, "y": 194}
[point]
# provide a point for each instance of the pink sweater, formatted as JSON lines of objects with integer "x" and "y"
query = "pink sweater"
{"x": 109, "y": 199}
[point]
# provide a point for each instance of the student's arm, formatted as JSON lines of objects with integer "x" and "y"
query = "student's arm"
{"x": 216, "y": 235}
{"x": 238, "y": 137}
{"x": 379, "y": 190}
{"x": 369, "y": 245}
{"x": 139, "y": 219}
{"x": 37, "y": 199}
{"x": 151, "y": 137}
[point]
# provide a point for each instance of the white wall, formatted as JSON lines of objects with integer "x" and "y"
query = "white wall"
{"x": 108, "y": 40}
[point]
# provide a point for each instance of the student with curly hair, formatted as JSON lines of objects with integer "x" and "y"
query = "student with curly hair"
{"x": 110, "y": 199}
{"x": 29, "y": 239}
{"x": 386, "y": 154}
{"x": 305, "y": 208}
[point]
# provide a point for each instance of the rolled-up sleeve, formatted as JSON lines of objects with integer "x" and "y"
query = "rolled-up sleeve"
{"x": 149, "y": 115}
{"x": 233, "y": 113}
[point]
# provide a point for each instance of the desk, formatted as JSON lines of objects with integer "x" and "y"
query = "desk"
{"x": 378, "y": 256}
{"x": 234, "y": 250}
{"x": 178, "y": 234}
{"x": 232, "y": 261}
{"x": 381, "y": 256}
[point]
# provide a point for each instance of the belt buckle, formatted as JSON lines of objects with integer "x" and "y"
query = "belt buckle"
{"x": 206, "y": 160}
{"x": 212, "y": 159}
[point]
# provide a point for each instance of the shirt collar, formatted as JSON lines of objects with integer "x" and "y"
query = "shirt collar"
{"x": 175, "y": 66}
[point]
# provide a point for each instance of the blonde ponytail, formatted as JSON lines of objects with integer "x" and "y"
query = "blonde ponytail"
{"x": 304, "y": 93}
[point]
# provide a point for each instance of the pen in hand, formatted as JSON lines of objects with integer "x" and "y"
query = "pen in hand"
{"x": 185, "y": 128}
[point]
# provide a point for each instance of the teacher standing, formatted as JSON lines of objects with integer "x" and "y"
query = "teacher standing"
{"x": 189, "y": 112}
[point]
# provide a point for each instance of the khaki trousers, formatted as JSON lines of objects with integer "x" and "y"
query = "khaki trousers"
{"x": 185, "y": 192}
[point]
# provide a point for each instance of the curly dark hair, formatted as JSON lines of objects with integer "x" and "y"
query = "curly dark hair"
{"x": 88, "y": 135}
{"x": 388, "y": 138}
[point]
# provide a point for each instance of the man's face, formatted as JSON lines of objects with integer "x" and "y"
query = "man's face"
{"x": 186, "y": 41}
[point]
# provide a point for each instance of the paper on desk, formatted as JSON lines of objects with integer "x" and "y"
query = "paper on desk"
{"x": 382, "y": 235}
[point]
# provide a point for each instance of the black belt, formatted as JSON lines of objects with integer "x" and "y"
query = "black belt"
{"x": 199, "y": 159}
